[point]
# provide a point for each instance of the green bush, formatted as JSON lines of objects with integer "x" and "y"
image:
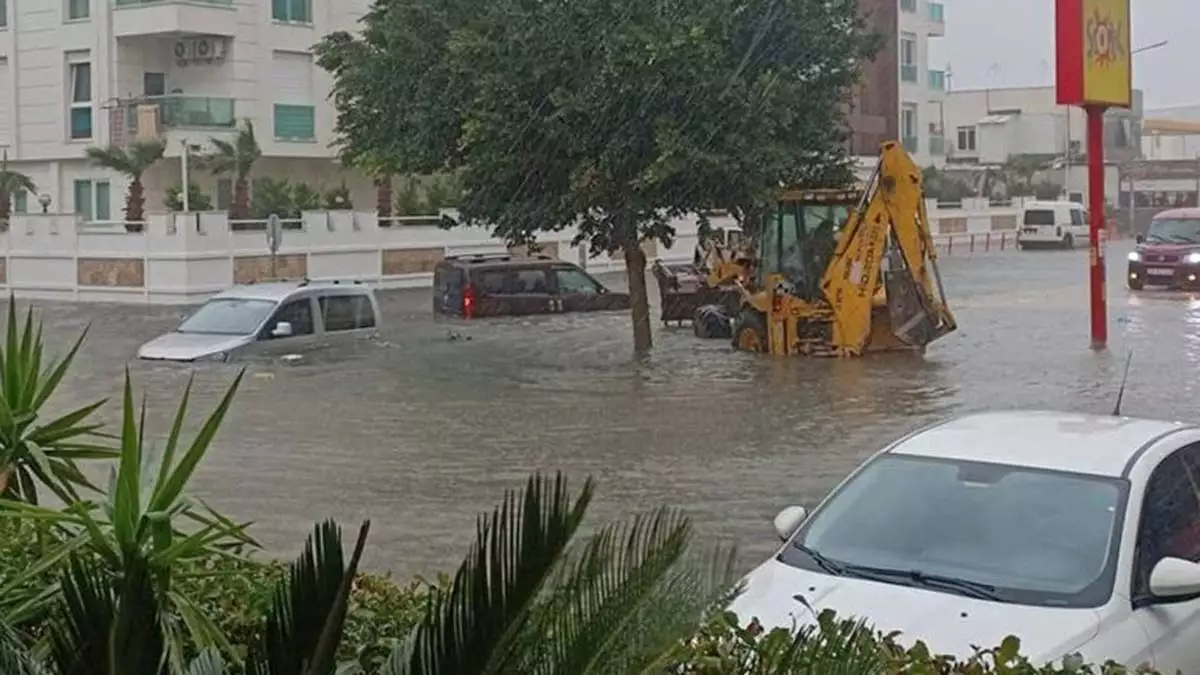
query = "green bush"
{"x": 197, "y": 199}
{"x": 236, "y": 594}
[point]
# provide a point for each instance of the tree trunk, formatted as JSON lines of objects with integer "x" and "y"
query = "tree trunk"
{"x": 639, "y": 300}
{"x": 383, "y": 200}
{"x": 240, "y": 209}
{"x": 5, "y": 211}
{"x": 135, "y": 203}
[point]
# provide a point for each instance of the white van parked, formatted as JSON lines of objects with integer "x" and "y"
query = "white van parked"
{"x": 1052, "y": 225}
{"x": 270, "y": 319}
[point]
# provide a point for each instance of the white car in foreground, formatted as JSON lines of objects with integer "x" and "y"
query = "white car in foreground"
{"x": 1076, "y": 533}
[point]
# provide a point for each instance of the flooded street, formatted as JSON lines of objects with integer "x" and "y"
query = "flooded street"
{"x": 421, "y": 432}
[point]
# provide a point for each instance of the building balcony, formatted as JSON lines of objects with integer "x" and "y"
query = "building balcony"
{"x": 133, "y": 18}
{"x": 174, "y": 119}
{"x": 937, "y": 19}
{"x": 908, "y": 73}
{"x": 937, "y": 80}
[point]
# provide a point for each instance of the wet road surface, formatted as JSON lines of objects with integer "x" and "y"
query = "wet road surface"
{"x": 420, "y": 433}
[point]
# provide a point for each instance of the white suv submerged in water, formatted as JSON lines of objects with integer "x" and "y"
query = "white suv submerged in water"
{"x": 269, "y": 319}
{"x": 1076, "y": 533}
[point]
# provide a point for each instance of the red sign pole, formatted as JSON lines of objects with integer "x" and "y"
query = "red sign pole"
{"x": 1096, "y": 206}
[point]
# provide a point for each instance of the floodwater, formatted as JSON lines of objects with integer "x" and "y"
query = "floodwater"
{"x": 421, "y": 432}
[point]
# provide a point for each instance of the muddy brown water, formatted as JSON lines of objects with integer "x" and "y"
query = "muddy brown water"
{"x": 419, "y": 432}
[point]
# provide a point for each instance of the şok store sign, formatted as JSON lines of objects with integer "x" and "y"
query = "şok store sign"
{"x": 1093, "y": 53}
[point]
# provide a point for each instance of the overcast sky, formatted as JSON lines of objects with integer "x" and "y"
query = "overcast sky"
{"x": 1010, "y": 43}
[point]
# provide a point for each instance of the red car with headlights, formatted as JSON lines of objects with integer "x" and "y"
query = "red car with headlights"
{"x": 1168, "y": 255}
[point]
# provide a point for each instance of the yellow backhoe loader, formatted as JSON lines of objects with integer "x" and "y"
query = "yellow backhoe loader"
{"x": 846, "y": 272}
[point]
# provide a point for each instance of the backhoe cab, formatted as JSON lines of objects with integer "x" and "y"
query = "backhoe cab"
{"x": 845, "y": 272}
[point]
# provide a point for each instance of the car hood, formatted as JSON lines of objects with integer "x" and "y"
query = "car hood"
{"x": 947, "y": 623}
{"x": 189, "y": 346}
{"x": 1169, "y": 249}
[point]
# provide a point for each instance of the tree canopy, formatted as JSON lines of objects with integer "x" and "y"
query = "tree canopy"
{"x": 612, "y": 115}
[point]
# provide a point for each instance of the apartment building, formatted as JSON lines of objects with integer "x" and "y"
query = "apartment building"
{"x": 76, "y": 73}
{"x": 922, "y": 88}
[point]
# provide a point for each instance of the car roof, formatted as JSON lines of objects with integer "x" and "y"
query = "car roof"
{"x": 1189, "y": 213}
{"x": 486, "y": 261}
{"x": 281, "y": 290}
{"x": 1093, "y": 444}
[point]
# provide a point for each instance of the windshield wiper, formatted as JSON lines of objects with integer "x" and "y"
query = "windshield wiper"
{"x": 973, "y": 589}
{"x": 831, "y": 566}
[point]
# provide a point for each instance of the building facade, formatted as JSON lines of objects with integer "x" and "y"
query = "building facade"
{"x": 81, "y": 73}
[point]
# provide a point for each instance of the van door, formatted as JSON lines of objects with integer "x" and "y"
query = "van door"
{"x": 447, "y": 289}
{"x": 299, "y": 313}
{"x": 578, "y": 291}
{"x": 513, "y": 291}
{"x": 346, "y": 316}
{"x": 531, "y": 292}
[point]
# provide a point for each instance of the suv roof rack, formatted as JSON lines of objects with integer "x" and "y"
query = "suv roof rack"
{"x": 349, "y": 282}
{"x": 480, "y": 257}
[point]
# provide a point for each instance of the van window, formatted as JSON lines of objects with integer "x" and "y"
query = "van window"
{"x": 530, "y": 281}
{"x": 1077, "y": 217}
{"x": 1039, "y": 217}
{"x": 575, "y": 281}
{"x": 346, "y": 312}
{"x": 493, "y": 282}
{"x": 513, "y": 281}
{"x": 298, "y": 313}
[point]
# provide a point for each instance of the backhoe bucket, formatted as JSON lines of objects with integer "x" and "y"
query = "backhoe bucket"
{"x": 914, "y": 319}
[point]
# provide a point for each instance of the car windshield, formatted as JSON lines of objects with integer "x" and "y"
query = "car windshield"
{"x": 1174, "y": 231}
{"x": 228, "y": 316}
{"x": 1028, "y": 536}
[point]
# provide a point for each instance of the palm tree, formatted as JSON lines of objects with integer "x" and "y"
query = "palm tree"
{"x": 236, "y": 159}
{"x": 133, "y": 161}
{"x": 11, "y": 182}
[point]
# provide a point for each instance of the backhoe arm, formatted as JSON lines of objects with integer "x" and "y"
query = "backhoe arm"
{"x": 893, "y": 204}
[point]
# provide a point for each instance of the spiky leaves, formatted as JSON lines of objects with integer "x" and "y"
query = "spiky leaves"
{"x": 11, "y": 182}
{"x": 304, "y": 627}
{"x": 472, "y": 627}
{"x": 235, "y": 159}
{"x": 36, "y": 451}
{"x": 146, "y": 519}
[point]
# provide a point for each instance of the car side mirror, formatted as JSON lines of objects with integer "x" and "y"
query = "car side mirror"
{"x": 282, "y": 329}
{"x": 789, "y": 520}
{"x": 1174, "y": 578}
{"x": 1140, "y": 239}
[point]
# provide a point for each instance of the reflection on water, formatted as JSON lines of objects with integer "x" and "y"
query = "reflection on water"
{"x": 424, "y": 428}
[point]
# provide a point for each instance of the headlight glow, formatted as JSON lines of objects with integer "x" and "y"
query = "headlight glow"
{"x": 1192, "y": 259}
{"x": 1134, "y": 256}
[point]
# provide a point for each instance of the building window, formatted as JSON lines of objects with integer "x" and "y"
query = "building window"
{"x": 966, "y": 139}
{"x": 294, "y": 11}
{"x": 78, "y": 9}
{"x": 908, "y": 5}
{"x": 92, "y": 200}
{"x": 295, "y": 122}
{"x": 81, "y": 100}
{"x": 20, "y": 201}
{"x": 908, "y": 57}
{"x": 908, "y": 126}
{"x": 3, "y": 13}
{"x": 224, "y": 194}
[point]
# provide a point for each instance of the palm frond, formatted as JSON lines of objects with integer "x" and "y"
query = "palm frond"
{"x": 306, "y": 618}
{"x": 114, "y": 158}
{"x": 627, "y": 601}
{"x": 15, "y": 659}
{"x": 472, "y": 627}
{"x": 145, "y": 153}
{"x": 207, "y": 662}
{"x": 102, "y": 631}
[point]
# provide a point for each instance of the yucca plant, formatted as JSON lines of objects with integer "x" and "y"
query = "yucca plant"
{"x": 36, "y": 450}
{"x": 146, "y": 518}
{"x": 528, "y": 601}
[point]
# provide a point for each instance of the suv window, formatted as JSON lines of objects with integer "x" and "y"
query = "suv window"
{"x": 1170, "y": 525}
{"x": 1039, "y": 217}
{"x": 493, "y": 282}
{"x": 513, "y": 281}
{"x": 298, "y": 313}
{"x": 575, "y": 281}
{"x": 346, "y": 312}
{"x": 530, "y": 281}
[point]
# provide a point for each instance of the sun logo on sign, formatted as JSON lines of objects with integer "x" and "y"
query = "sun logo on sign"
{"x": 1105, "y": 44}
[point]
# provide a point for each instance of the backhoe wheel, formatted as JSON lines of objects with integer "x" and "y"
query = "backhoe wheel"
{"x": 750, "y": 331}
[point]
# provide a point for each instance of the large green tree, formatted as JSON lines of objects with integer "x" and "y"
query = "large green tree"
{"x": 614, "y": 116}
